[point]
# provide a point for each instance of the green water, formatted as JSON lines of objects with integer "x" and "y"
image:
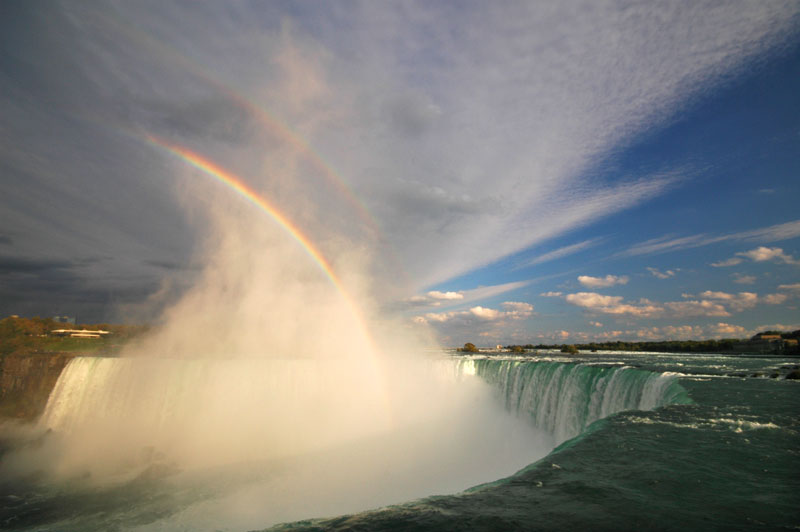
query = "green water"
{"x": 645, "y": 442}
{"x": 727, "y": 459}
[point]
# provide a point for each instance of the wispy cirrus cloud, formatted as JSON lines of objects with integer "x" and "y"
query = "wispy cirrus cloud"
{"x": 562, "y": 252}
{"x": 793, "y": 288}
{"x": 669, "y": 243}
{"x": 436, "y": 298}
{"x": 526, "y": 196}
{"x": 469, "y": 134}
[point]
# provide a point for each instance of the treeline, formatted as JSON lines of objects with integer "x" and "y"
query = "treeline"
{"x": 794, "y": 335}
{"x": 666, "y": 346}
{"x": 32, "y": 335}
{"x": 663, "y": 346}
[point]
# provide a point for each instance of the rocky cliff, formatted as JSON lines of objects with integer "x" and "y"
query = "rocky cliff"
{"x": 26, "y": 382}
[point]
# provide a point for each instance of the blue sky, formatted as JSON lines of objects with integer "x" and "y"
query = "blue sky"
{"x": 536, "y": 172}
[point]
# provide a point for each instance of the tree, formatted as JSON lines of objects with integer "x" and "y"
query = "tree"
{"x": 469, "y": 348}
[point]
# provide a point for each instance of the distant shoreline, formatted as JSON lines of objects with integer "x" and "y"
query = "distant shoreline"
{"x": 763, "y": 343}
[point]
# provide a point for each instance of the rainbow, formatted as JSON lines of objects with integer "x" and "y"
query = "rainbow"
{"x": 235, "y": 183}
{"x": 241, "y": 188}
{"x": 265, "y": 118}
{"x": 325, "y": 171}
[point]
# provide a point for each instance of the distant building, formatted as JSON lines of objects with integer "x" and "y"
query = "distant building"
{"x": 64, "y": 319}
{"x": 767, "y": 344}
{"x": 79, "y": 333}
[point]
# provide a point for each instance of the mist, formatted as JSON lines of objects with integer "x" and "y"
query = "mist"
{"x": 267, "y": 366}
{"x": 272, "y": 386}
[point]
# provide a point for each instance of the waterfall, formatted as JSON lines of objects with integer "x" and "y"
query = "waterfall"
{"x": 565, "y": 398}
{"x": 208, "y": 411}
{"x": 205, "y": 412}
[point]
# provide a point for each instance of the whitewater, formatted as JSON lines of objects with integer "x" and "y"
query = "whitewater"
{"x": 601, "y": 441}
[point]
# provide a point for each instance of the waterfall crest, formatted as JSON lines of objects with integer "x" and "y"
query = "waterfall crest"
{"x": 565, "y": 398}
{"x": 209, "y": 411}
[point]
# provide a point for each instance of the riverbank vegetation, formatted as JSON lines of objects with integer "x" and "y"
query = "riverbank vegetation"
{"x": 785, "y": 342}
{"x": 32, "y": 336}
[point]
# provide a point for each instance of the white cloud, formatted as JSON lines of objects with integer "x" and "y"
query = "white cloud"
{"x": 592, "y": 299}
{"x": 515, "y": 310}
{"x": 775, "y": 299}
{"x": 485, "y": 313}
{"x": 602, "y": 282}
{"x": 435, "y": 294}
{"x": 676, "y": 332}
{"x": 595, "y": 324}
{"x": 706, "y": 304}
{"x": 736, "y": 302}
{"x": 518, "y": 308}
{"x": 657, "y": 333}
{"x": 726, "y": 329}
{"x": 743, "y": 279}
{"x": 762, "y": 254}
{"x": 685, "y": 309}
{"x": 436, "y": 317}
{"x": 731, "y": 302}
{"x": 610, "y": 335}
{"x": 470, "y": 134}
{"x": 661, "y": 275}
{"x": 759, "y": 254}
{"x": 693, "y": 332}
{"x": 612, "y": 304}
{"x": 551, "y": 294}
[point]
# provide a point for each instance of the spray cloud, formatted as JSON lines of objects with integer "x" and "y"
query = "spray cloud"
{"x": 277, "y": 364}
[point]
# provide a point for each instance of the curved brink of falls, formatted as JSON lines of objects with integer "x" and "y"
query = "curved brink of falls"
{"x": 295, "y": 418}
{"x": 564, "y": 399}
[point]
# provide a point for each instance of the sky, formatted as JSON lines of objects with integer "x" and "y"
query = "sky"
{"x": 506, "y": 172}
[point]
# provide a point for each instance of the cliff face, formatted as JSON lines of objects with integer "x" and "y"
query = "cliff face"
{"x": 26, "y": 382}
